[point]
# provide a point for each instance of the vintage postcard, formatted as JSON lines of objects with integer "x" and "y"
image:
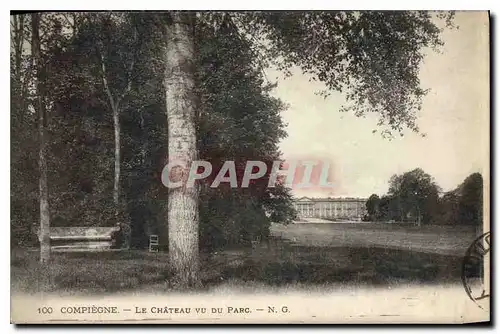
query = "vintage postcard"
{"x": 250, "y": 167}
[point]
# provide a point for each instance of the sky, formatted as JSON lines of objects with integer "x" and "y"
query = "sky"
{"x": 454, "y": 117}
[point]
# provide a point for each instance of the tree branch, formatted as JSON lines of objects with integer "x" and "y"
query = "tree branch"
{"x": 105, "y": 80}
{"x": 260, "y": 61}
{"x": 129, "y": 82}
{"x": 65, "y": 16}
{"x": 129, "y": 72}
{"x": 115, "y": 103}
{"x": 71, "y": 25}
{"x": 27, "y": 78}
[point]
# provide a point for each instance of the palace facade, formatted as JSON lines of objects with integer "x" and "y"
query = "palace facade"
{"x": 332, "y": 208}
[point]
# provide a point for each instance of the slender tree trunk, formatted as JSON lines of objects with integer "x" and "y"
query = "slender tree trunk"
{"x": 183, "y": 215}
{"x": 18, "y": 47}
{"x": 116, "y": 127}
{"x": 44, "y": 235}
{"x": 18, "y": 39}
{"x": 116, "y": 185}
{"x": 115, "y": 107}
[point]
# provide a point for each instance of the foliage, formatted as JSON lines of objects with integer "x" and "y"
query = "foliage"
{"x": 414, "y": 193}
{"x": 239, "y": 120}
{"x": 464, "y": 205}
{"x": 24, "y": 146}
{"x": 372, "y": 206}
{"x": 471, "y": 200}
{"x": 372, "y": 56}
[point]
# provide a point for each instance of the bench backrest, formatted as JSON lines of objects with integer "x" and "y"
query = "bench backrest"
{"x": 81, "y": 237}
{"x": 72, "y": 233}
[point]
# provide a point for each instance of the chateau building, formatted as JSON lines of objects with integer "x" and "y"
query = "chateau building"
{"x": 333, "y": 208}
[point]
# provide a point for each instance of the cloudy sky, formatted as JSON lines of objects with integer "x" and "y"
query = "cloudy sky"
{"x": 455, "y": 119}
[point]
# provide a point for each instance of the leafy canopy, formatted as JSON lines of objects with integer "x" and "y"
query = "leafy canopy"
{"x": 373, "y": 57}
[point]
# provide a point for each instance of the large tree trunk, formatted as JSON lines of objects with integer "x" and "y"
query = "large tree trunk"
{"x": 183, "y": 216}
{"x": 44, "y": 235}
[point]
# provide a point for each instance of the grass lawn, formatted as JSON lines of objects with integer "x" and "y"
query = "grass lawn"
{"x": 435, "y": 239}
{"x": 299, "y": 255}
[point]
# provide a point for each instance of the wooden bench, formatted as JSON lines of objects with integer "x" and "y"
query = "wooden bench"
{"x": 81, "y": 238}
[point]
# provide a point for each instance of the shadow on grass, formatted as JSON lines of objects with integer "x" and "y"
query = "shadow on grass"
{"x": 276, "y": 263}
{"x": 373, "y": 266}
{"x": 93, "y": 272}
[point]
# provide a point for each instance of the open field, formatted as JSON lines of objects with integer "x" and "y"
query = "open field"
{"x": 298, "y": 256}
{"x": 446, "y": 240}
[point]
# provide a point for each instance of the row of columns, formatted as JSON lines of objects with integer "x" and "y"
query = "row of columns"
{"x": 310, "y": 210}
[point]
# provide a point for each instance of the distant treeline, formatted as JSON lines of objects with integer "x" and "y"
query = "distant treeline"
{"x": 415, "y": 197}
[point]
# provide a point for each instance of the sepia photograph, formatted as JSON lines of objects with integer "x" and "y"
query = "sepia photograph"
{"x": 250, "y": 167}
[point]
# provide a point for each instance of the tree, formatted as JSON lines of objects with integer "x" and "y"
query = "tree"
{"x": 24, "y": 141}
{"x": 374, "y": 56}
{"x": 470, "y": 204}
{"x": 448, "y": 208}
{"x": 372, "y": 207}
{"x": 238, "y": 120}
{"x": 121, "y": 55}
{"x": 82, "y": 140}
{"x": 183, "y": 214}
{"x": 33, "y": 87}
{"x": 387, "y": 208}
{"x": 416, "y": 195}
{"x": 95, "y": 69}
{"x": 44, "y": 233}
{"x": 464, "y": 204}
{"x": 145, "y": 137}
